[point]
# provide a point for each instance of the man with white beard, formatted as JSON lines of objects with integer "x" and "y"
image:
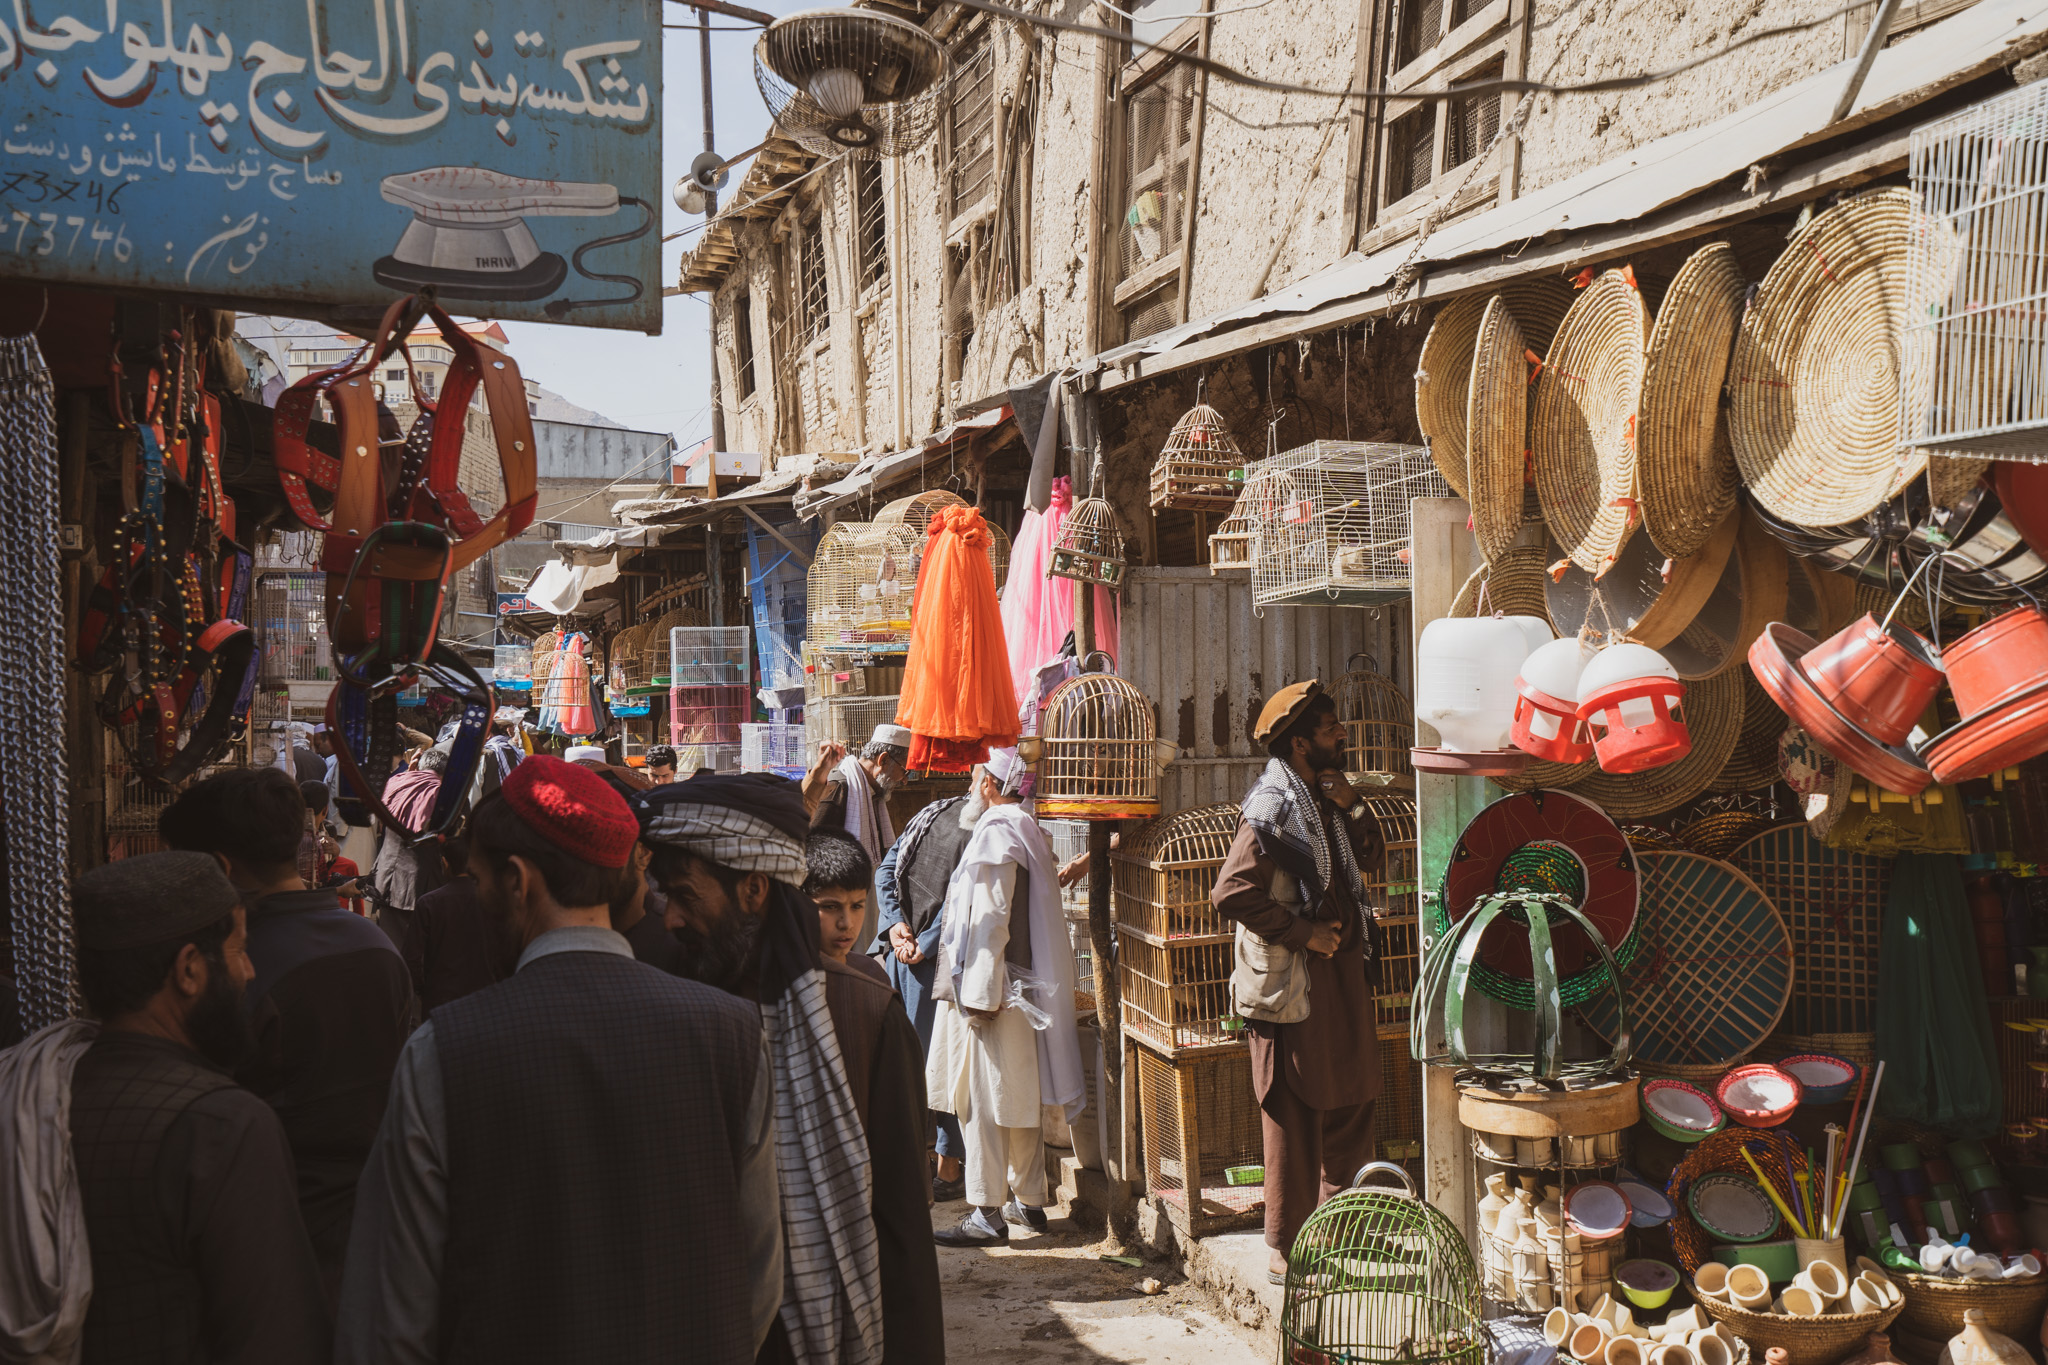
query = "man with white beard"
{"x": 1003, "y": 1039}
{"x": 856, "y": 802}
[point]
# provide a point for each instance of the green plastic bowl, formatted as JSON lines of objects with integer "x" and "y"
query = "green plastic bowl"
{"x": 1646, "y": 1283}
{"x": 1778, "y": 1260}
{"x": 1245, "y": 1175}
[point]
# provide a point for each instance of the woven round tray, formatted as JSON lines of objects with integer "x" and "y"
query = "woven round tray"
{"x": 1934, "y": 1308}
{"x": 1715, "y": 969}
{"x": 1583, "y": 437}
{"x": 1443, "y": 379}
{"x": 1815, "y": 378}
{"x": 1687, "y": 468}
{"x": 1753, "y": 763}
{"x": 1720, "y": 832}
{"x": 1513, "y": 583}
{"x": 1712, "y": 709}
{"x": 1806, "y": 1341}
{"x": 1644, "y": 594}
{"x": 1750, "y": 595}
{"x": 1497, "y": 429}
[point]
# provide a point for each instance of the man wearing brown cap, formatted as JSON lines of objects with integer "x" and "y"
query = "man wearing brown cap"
{"x": 1307, "y": 960}
{"x": 172, "y": 1232}
{"x": 578, "y": 1162}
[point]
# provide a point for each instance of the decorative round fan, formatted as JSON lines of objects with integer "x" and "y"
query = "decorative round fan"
{"x": 852, "y": 81}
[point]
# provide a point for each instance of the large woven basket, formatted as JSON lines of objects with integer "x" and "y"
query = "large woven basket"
{"x": 1860, "y": 1048}
{"x": 1584, "y": 434}
{"x": 1443, "y": 378}
{"x": 1753, "y": 763}
{"x": 1497, "y": 429}
{"x": 1513, "y": 584}
{"x": 1815, "y": 378}
{"x": 1687, "y": 468}
{"x": 1934, "y": 1308}
{"x": 1750, "y": 595}
{"x": 1713, "y": 715}
{"x": 1806, "y": 1341}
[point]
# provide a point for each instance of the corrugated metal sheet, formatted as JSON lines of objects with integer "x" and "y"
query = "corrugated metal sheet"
{"x": 1191, "y": 644}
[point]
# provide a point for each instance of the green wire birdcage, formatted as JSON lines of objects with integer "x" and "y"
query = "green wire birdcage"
{"x": 1380, "y": 1276}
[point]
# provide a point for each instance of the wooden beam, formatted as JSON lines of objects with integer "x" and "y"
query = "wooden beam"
{"x": 786, "y": 542}
{"x": 1715, "y": 209}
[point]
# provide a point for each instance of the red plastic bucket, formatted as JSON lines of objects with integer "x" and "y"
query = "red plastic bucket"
{"x": 1878, "y": 680}
{"x": 1998, "y": 660}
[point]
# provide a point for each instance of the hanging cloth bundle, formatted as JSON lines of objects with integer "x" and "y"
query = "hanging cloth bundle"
{"x": 390, "y": 551}
{"x": 1934, "y": 1033}
{"x": 957, "y": 698}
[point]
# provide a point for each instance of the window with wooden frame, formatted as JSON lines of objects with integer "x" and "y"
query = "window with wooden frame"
{"x": 971, "y": 122}
{"x": 870, "y": 226}
{"x": 1159, "y": 144}
{"x": 813, "y": 310}
{"x": 743, "y": 345}
{"x": 1420, "y": 149}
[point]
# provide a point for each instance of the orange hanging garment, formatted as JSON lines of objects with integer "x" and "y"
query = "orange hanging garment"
{"x": 957, "y": 699}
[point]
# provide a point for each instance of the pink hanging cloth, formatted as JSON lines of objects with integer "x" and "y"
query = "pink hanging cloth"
{"x": 1038, "y": 611}
{"x": 569, "y": 685}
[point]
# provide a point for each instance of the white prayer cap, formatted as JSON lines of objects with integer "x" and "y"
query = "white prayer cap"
{"x": 1007, "y": 769}
{"x": 578, "y": 753}
{"x": 895, "y": 736}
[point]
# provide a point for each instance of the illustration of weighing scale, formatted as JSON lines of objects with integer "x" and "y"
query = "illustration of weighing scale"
{"x": 468, "y": 236}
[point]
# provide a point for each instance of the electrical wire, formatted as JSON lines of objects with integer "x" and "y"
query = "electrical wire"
{"x": 726, "y": 213}
{"x": 1177, "y": 18}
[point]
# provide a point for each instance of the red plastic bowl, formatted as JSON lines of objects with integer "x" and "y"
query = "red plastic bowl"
{"x": 1759, "y": 1095}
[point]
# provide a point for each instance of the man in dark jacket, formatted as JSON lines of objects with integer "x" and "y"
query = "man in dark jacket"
{"x": 579, "y": 1162}
{"x": 331, "y": 999}
{"x": 191, "y": 1216}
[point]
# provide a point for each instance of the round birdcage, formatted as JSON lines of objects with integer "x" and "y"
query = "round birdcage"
{"x": 545, "y": 646}
{"x": 1090, "y": 547}
{"x": 1379, "y": 722}
{"x": 1175, "y": 955}
{"x": 1200, "y": 468}
{"x": 1230, "y": 544}
{"x": 1097, "y": 753}
{"x": 628, "y": 665}
{"x": 863, "y": 579}
{"x": 1382, "y": 1277}
{"x": 917, "y": 510}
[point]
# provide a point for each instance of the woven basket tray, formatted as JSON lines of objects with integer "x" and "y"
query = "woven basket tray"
{"x": 1583, "y": 434}
{"x": 1807, "y": 1341}
{"x": 1934, "y": 1308}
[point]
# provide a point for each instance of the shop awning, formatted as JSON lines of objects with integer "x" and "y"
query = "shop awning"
{"x": 779, "y": 485}
{"x": 1626, "y": 190}
{"x": 878, "y": 471}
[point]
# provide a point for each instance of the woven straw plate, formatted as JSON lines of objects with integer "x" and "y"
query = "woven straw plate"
{"x": 1715, "y": 971}
{"x": 1712, "y": 709}
{"x": 1750, "y": 595}
{"x": 1687, "y": 468}
{"x": 1583, "y": 436}
{"x": 1753, "y": 764}
{"x": 1815, "y": 378}
{"x": 1497, "y": 429}
{"x": 1513, "y": 583}
{"x": 1443, "y": 378}
{"x": 1640, "y": 595}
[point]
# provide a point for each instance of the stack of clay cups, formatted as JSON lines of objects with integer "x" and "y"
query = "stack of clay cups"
{"x": 1824, "y": 1287}
{"x": 1815, "y": 1290}
{"x": 1609, "y": 1335}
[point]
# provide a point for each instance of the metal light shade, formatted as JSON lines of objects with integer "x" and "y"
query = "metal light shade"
{"x": 851, "y": 81}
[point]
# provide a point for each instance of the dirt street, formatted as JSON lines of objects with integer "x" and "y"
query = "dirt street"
{"x": 1047, "y": 1298}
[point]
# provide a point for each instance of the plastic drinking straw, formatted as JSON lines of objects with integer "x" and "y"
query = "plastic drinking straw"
{"x": 1842, "y": 1198}
{"x": 1786, "y": 1148}
{"x": 1827, "y": 1194}
{"x": 1856, "y": 1159}
{"x": 1803, "y": 1181}
{"x": 1771, "y": 1190}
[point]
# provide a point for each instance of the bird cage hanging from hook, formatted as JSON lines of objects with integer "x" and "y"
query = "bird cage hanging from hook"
{"x": 1379, "y": 722}
{"x": 1332, "y": 521}
{"x": 860, "y": 586}
{"x": 1230, "y": 544}
{"x": 917, "y": 510}
{"x": 1200, "y": 469}
{"x": 1090, "y": 547}
{"x": 1382, "y": 1277}
{"x": 1097, "y": 754}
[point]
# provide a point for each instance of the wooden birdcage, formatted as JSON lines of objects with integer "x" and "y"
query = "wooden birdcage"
{"x": 1200, "y": 469}
{"x": 1230, "y": 544}
{"x": 917, "y": 510}
{"x": 1331, "y": 521}
{"x": 1379, "y": 723}
{"x": 1390, "y": 892}
{"x": 1090, "y": 547}
{"x": 1203, "y": 1143}
{"x": 630, "y": 666}
{"x": 1097, "y": 753}
{"x": 1175, "y": 953}
{"x": 545, "y": 647}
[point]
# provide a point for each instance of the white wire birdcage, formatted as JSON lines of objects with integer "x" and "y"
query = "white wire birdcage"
{"x": 771, "y": 745}
{"x": 291, "y": 628}
{"x": 1977, "y": 326}
{"x": 1331, "y": 521}
{"x": 512, "y": 667}
{"x": 709, "y": 694}
{"x": 850, "y": 721}
{"x": 863, "y": 579}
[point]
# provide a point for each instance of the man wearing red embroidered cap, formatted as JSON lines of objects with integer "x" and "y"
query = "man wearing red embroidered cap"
{"x": 577, "y": 1163}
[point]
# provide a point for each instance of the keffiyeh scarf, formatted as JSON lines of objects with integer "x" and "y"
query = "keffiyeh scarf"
{"x": 1284, "y": 811}
{"x": 43, "y": 1295}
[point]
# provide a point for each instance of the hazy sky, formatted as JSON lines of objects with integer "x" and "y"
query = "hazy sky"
{"x": 661, "y": 383}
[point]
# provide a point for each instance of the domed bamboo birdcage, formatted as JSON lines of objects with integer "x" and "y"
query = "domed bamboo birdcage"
{"x": 1175, "y": 954}
{"x": 1200, "y": 469}
{"x": 863, "y": 579}
{"x": 1230, "y": 544}
{"x": 1390, "y": 892}
{"x": 1379, "y": 722}
{"x": 545, "y": 646}
{"x": 654, "y": 653}
{"x": 1097, "y": 753}
{"x": 917, "y": 510}
{"x": 1090, "y": 548}
{"x": 1384, "y": 1278}
{"x": 629, "y": 665}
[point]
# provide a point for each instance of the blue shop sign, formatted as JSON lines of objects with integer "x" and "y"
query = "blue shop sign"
{"x": 327, "y": 157}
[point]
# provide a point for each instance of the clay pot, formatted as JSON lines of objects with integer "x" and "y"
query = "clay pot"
{"x": 1878, "y": 680}
{"x": 1998, "y": 660}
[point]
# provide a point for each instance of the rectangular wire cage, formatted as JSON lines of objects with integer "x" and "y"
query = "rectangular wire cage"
{"x": 1977, "y": 322}
{"x": 1069, "y": 840}
{"x": 1331, "y": 521}
{"x": 846, "y": 720}
{"x": 1201, "y": 1122}
{"x": 1397, "y": 1117}
{"x": 291, "y": 625}
{"x": 772, "y": 746}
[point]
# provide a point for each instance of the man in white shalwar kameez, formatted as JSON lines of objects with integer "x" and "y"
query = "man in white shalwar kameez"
{"x": 1003, "y": 1038}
